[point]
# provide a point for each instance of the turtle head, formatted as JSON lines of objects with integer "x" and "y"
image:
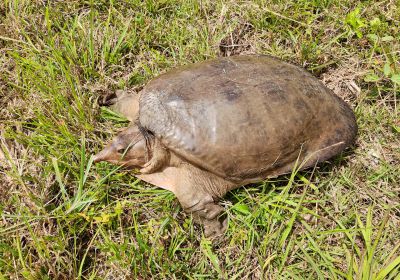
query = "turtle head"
{"x": 128, "y": 148}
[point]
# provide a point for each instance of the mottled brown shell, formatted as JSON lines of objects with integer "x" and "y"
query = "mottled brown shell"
{"x": 246, "y": 117}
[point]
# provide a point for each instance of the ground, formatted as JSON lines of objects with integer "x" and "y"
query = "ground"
{"x": 63, "y": 217}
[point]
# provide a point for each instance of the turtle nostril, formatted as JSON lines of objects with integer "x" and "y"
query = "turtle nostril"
{"x": 99, "y": 157}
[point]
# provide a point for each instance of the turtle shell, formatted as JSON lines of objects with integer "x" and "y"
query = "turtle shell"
{"x": 246, "y": 117}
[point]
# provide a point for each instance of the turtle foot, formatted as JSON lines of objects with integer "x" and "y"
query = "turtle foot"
{"x": 211, "y": 216}
{"x": 215, "y": 228}
{"x": 151, "y": 166}
{"x": 111, "y": 98}
{"x": 158, "y": 160}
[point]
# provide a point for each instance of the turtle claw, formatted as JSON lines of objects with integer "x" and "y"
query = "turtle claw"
{"x": 215, "y": 228}
{"x": 159, "y": 159}
{"x": 151, "y": 166}
{"x": 111, "y": 98}
{"x": 108, "y": 100}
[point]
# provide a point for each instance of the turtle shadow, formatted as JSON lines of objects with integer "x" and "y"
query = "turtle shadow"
{"x": 315, "y": 175}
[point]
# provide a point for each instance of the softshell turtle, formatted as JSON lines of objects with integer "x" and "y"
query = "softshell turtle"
{"x": 206, "y": 128}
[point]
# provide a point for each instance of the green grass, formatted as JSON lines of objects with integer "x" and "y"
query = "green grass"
{"x": 64, "y": 218}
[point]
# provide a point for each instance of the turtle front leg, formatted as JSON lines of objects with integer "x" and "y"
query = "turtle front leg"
{"x": 159, "y": 159}
{"x": 198, "y": 191}
{"x": 203, "y": 208}
{"x": 208, "y": 213}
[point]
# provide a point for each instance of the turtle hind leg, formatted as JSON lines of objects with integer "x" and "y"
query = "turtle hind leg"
{"x": 111, "y": 98}
{"x": 107, "y": 100}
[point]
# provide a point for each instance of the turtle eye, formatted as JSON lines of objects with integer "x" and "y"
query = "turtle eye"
{"x": 121, "y": 151}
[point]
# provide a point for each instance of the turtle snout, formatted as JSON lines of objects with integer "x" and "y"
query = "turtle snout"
{"x": 96, "y": 158}
{"x": 103, "y": 155}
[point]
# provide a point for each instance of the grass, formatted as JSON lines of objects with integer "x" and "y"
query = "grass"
{"x": 64, "y": 218}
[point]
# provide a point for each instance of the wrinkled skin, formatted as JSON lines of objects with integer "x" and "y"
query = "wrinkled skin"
{"x": 207, "y": 128}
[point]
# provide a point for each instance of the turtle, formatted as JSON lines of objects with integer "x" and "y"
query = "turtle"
{"x": 206, "y": 128}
